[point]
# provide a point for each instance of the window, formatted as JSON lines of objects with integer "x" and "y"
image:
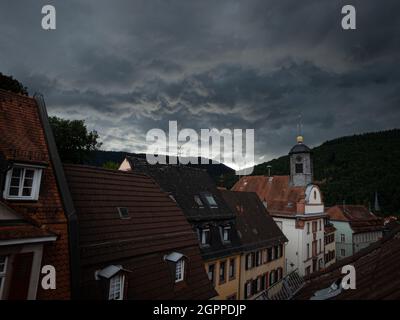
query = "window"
{"x": 232, "y": 269}
{"x": 211, "y": 271}
{"x": 314, "y": 248}
{"x": 299, "y": 168}
{"x": 116, "y": 288}
{"x": 211, "y": 201}
{"x": 205, "y": 237}
{"x": 247, "y": 289}
{"x": 343, "y": 252}
{"x": 320, "y": 246}
{"x": 270, "y": 254}
{"x": 263, "y": 282}
{"x": 315, "y": 194}
{"x": 308, "y": 228}
{"x": 179, "y": 270}
{"x": 272, "y": 277}
{"x": 226, "y": 234}
{"x": 3, "y": 269}
{"x": 198, "y": 201}
{"x": 308, "y": 251}
{"x": 222, "y": 272}
{"x": 23, "y": 183}
{"x": 342, "y": 238}
{"x": 258, "y": 288}
{"x": 308, "y": 271}
{"x": 320, "y": 225}
{"x": 258, "y": 258}
{"x": 249, "y": 261}
{"x": 123, "y": 213}
{"x": 314, "y": 226}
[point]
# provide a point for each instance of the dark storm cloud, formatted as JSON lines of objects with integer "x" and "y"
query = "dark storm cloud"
{"x": 129, "y": 66}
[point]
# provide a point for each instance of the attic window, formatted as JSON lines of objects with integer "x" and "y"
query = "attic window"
{"x": 123, "y": 212}
{"x": 211, "y": 201}
{"x": 179, "y": 260}
{"x": 116, "y": 291}
{"x": 226, "y": 233}
{"x": 198, "y": 201}
{"x": 23, "y": 183}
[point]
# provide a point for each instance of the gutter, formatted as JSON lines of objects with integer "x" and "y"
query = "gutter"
{"x": 69, "y": 209}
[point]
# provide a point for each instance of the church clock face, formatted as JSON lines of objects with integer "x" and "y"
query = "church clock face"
{"x": 299, "y": 158}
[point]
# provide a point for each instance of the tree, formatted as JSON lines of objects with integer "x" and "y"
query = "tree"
{"x": 74, "y": 142}
{"x": 10, "y": 84}
{"x": 111, "y": 165}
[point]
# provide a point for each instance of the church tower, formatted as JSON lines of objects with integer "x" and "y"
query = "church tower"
{"x": 301, "y": 170}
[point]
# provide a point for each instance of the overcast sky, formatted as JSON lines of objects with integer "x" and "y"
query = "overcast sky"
{"x": 130, "y": 66}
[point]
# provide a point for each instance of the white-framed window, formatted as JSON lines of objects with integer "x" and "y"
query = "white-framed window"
{"x": 3, "y": 270}
{"x": 226, "y": 234}
{"x": 23, "y": 183}
{"x": 116, "y": 287}
{"x": 180, "y": 270}
{"x": 205, "y": 236}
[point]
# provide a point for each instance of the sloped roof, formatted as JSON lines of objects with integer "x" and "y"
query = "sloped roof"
{"x": 184, "y": 183}
{"x": 359, "y": 217}
{"x": 377, "y": 272}
{"x": 255, "y": 225}
{"x": 281, "y": 198}
{"x": 155, "y": 227}
{"x": 21, "y": 129}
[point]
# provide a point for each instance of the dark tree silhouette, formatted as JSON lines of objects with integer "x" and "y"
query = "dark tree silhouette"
{"x": 74, "y": 143}
{"x": 10, "y": 84}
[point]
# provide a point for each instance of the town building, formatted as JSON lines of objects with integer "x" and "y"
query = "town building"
{"x": 135, "y": 242}
{"x": 356, "y": 228}
{"x": 209, "y": 215}
{"x": 329, "y": 243}
{"x": 297, "y": 206}
{"x": 262, "y": 258}
{"x": 33, "y": 222}
{"x": 376, "y": 274}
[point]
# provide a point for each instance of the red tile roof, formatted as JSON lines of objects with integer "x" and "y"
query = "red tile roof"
{"x": 275, "y": 190}
{"x": 156, "y": 227}
{"x": 21, "y": 131}
{"x": 377, "y": 272}
{"x": 359, "y": 217}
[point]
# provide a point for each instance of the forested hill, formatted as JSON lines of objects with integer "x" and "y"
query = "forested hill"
{"x": 352, "y": 168}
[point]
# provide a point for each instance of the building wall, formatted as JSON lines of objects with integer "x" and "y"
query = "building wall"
{"x": 25, "y": 141}
{"x": 329, "y": 248}
{"x": 231, "y": 286}
{"x": 254, "y": 273}
{"x": 363, "y": 240}
{"x": 292, "y": 248}
{"x": 309, "y": 238}
{"x": 346, "y": 246}
{"x": 296, "y": 248}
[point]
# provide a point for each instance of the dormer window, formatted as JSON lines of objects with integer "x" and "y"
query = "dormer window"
{"x": 226, "y": 230}
{"x": 205, "y": 236}
{"x": 178, "y": 259}
{"x": 23, "y": 183}
{"x": 116, "y": 291}
{"x": 211, "y": 201}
